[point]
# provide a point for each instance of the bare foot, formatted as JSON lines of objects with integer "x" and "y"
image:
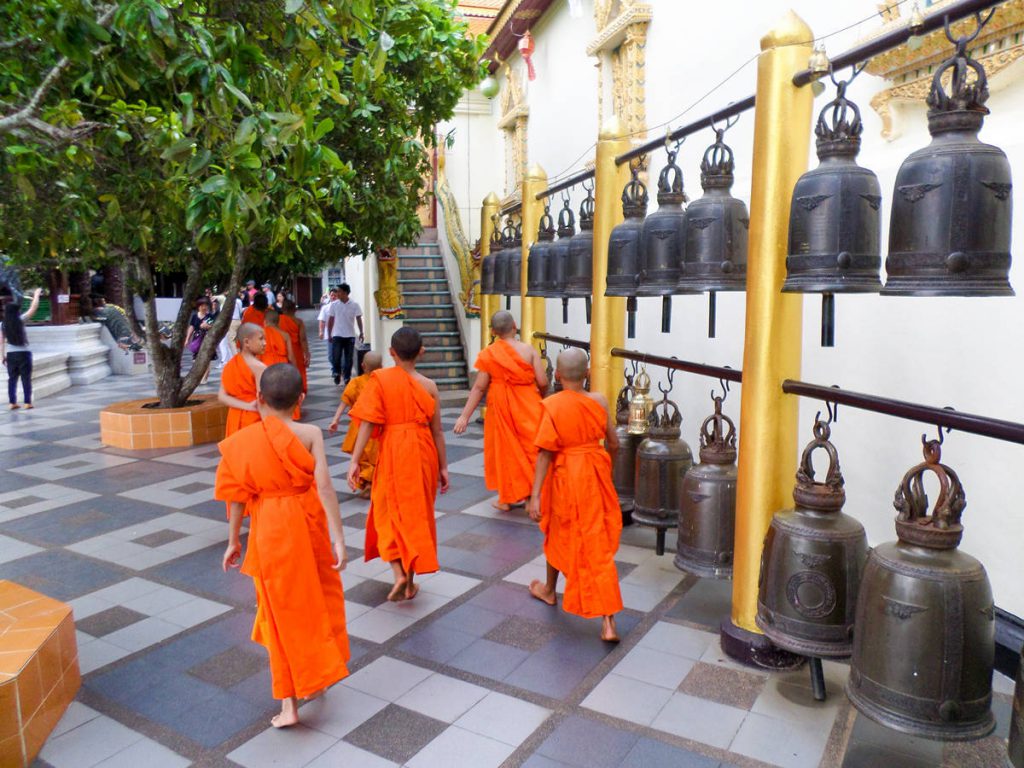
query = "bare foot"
{"x": 315, "y": 696}
{"x": 540, "y": 591}
{"x": 497, "y": 505}
{"x": 608, "y": 631}
{"x": 289, "y": 714}
{"x": 397, "y": 593}
{"x": 411, "y": 591}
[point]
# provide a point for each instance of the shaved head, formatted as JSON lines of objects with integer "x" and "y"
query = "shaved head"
{"x": 281, "y": 386}
{"x": 572, "y": 364}
{"x": 372, "y": 361}
{"x": 270, "y": 317}
{"x": 247, "y": 331}
{"x": 502, "y": 323}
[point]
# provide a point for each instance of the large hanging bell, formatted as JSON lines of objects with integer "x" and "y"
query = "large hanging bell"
{"x": 514, "y": 278}
{"x": 949, "y": 232}
{"x": 662, "y": 236}
{"x": 624, "y": 463}
{"x": 662, "y": 460}
{"x": 540, "y": 252}
{"x": 707, "y": 512}
{"x": 1016, "y": 746}
{"x": 579, "y": 277}
{"x": 558, "y": 258}
{"x": 625, "y": 245}
{"x": 640, "y": 405}
{"x": 715, "y": 254}
{"x": 487, "y": 271}
{"x": 501, "y": 260}
{"x": 811, "y": 563}
{"x": 925, "y": 643}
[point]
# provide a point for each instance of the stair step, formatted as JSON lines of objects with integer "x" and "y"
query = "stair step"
{"x": 442, "y": 364}
{"x": 446, "y": 334}
{"x": 426, "y": 293}
{"x": 425, "y": 320}
{"x": 454, "y": 382}
{"x": 427, "y": 312}
{"x": 451, "y": 355}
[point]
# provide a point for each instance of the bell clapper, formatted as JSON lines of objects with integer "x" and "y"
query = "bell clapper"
{"x": 631, "y": 313}
{"x": 712, "y": 314}
{"x": 828, "y": 319}
{"x": 565, "y": 310}
{"x": 508, "y": 303}
{"x": 666, "y": 314}
{"x": 588, "y": 307}
{"x": 817, "y": 678}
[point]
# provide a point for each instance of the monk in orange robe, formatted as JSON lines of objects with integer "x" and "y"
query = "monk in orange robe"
{"x": 277, "y": 472}
{"x": 300, "y": 342}
{"x": 254, "y": 313}
{"x": 574, "y": 500}
{"x": 368, "y": 461}
{"x": 403, "y": 408}
{"x": 240, "y": 379}
{"x": 512, "y": 376}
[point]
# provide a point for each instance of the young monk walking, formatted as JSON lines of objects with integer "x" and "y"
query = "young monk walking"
{"x": 403, "y": 407}
{"x": 512, "y": 376}
{"x": 576, "y": 504}
{"x": 368, "y": 461}
{"x": 255, "y": 312}
{"x": 240, "y": 379}
{"x": 276, "y": 472}
{"x": 279, "y": 345}
{"x": 296, "y": 331}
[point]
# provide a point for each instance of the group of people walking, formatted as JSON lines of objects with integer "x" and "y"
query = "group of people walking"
{"x": 551, "y": 455}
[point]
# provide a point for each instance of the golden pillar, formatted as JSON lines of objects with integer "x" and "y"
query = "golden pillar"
{"x": 608, "y": 316}
{"x": 534, "y": 317}
{"x": 771, "y": 352}
{"x": 488, "y": 304}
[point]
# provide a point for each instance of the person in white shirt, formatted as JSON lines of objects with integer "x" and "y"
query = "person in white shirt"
{"x": 226, "y": 349}
{"x": 342, "y": 318}
{"x": 326, "y": 303}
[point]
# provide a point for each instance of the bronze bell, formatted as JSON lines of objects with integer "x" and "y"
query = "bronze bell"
{"x": 925, "y": 641}
{"x": 501, "y": 260}
{"x": 834, "y": 218}
{"x": 624, "y": 463}
{"x": 558, "y": 258}
{"x": 707, "y": 512}
{"x": 540, "y": 252}
{"x": 811, "y": 563}
{"x": 625, "y": 245}
{"x": 514, "y": 280}
{"x": 949, "y": 232}
{"x": 661, "y": 461}
{"x": 715, "y": 254}
{"x": 1016, "y": 746}
{"x": 579, "y": 276}
{"x": 662, "y": 241}
{"x": 487, "y": 271}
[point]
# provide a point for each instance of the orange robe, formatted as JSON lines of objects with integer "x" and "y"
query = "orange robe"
{"x": 276, "y": 350}
{"x": 580, "y": 514}
{"x": 290, "y": 325}
{"x": 401, "y": 516}
{"x": 254, "y": 316}
{"x": 368, "y": 460}
{"x": 300, "y": 606}
{"x": 510, "y": 426}
{"x": 239, "y": 381}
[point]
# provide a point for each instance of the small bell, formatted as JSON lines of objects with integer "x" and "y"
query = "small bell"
{"x": 624, "y": 247}
{"x": 624, "y": 463}
{"x": 579, "y": 278}
{"x": 641, "y": 404}
{"x": 661, "y": 462}
{"x": 834, "y": 218}
{"x": 662, "y": 241}
{"x": 1016, "y": 746}
{"x": 715, "y": 257}
{"x": 925, "y": 643}
{"x": 707, "y": 512}
{"x": 811, "y": 563}
{"x": 540, "y": 252}
{"x": 558, "y": 258}
{"x": 514, "y": 280}
{"x": 949, "y": 232}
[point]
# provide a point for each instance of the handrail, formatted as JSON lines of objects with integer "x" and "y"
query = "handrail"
{"x": 701, "y": 369}
{"x": 572, "y": 181}
{"x": 564, "y": 340}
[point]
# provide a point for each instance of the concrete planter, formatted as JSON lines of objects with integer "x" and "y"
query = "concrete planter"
{"x": 130, "y": 426}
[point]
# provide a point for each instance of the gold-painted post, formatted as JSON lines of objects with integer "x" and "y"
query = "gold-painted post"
{"x": 772, "y": 348}
{"x": 608, "y": 315}
{"x": 534, "y": 315}
{"x": 488, "y": 304}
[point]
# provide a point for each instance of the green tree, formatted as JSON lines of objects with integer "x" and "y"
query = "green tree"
{"x": 216, "y": 137}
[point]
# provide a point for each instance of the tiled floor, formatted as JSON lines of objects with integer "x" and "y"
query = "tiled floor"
{"x": 472, "y": 673}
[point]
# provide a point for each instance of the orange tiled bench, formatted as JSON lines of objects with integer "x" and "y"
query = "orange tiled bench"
{"x": 38, "y": 670}
{"x": 129, "y": 425}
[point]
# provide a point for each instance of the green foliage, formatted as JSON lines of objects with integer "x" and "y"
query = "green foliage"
{"x": 220, "y": 136}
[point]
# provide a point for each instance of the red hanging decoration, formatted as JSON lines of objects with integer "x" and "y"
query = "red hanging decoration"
{"x": 526, "y": 49}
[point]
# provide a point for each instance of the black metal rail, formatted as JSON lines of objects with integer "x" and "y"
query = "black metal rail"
{"x": 712, "y": 371}
{"x": 942, "y": 417}
{"x": 564, "y": 340}
{"x": 572, "y": 181}
{"x": 900, "y": 35}
{"x": 510, "y": 210}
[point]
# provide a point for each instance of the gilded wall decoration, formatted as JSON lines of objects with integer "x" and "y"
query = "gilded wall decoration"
{"x": 620, "y": 46}
{"x": 467, "y": 258}
{"x": 515, "y": 115}
{"x": 388, "y": 295}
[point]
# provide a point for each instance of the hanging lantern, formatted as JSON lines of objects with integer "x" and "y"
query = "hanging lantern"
{"x": 489, "y": 87}
{"x": 526, "y": 48}
{"x": 558, "y": 258}
{"x": 707, "y": 512}
{"x": 662, "y": 460}
{"x": 514, "y": 278}
{"x": 624, "y": 463}
{"x": 641, "y": 404}
{"x": 540, "y": 252}
{"x": 949, "y": 232}
{"x": 579, "y": 278}
{"x": 663, "y": 241}
{"x": 925, "y": 642}
{"x": 624, "y": 246}
{"x": 811, "y": 563}
{"x": 834, "y": 219}
{"x": 487, "y": 271}
{"x": 715, "y": 255}
{"x": 1016, "y": 745}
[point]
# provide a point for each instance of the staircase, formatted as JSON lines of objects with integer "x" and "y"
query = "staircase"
{"x": 427, "y": 301}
